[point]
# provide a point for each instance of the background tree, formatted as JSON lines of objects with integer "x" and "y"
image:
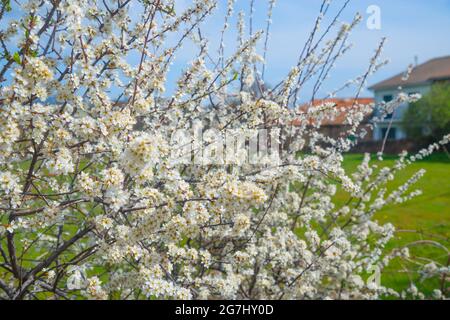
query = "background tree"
{"x": 429, "y": 118}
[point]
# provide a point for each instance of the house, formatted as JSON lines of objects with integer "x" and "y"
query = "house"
{"x": 336, "y": 126}
{"x": 421, "y": 78}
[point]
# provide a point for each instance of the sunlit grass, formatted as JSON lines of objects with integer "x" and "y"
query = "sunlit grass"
{"x": 426, "y": 217}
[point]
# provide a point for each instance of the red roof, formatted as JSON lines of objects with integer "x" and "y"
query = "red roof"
{"x": 343, "y": 105}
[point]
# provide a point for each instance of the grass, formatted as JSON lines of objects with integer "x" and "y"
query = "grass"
{"x": 427, "y": 215}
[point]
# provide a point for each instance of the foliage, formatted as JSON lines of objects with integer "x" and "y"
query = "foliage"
{"x": 429, "y": 116}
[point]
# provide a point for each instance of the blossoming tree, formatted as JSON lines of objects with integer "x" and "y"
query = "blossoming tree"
{"x": 95, "y": 202}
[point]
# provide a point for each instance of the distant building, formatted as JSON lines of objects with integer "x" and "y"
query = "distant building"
{"x": 420, "y": 81}
{"x": 337, "y": 126}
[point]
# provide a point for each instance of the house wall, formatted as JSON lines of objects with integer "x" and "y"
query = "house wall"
{"x": 341, "y": 131}
{"x": 399, "y": 112}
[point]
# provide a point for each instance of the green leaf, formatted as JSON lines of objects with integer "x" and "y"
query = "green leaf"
{"x": 16, "y": 58}
{"x": 235, "y": 76}
{"x": 7, "y": 5}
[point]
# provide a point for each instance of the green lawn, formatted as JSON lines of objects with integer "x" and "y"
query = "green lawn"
{"x": 428, "y": 214}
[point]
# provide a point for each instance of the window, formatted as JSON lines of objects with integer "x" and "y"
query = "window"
{"x": 392, "y": 134}
{"x": 386, "y": 99}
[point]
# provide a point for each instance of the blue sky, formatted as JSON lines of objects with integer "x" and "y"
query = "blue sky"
{"x": 412, "y": 27}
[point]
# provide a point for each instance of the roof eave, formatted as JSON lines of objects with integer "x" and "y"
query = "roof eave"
{"x": 395, "y": 87}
